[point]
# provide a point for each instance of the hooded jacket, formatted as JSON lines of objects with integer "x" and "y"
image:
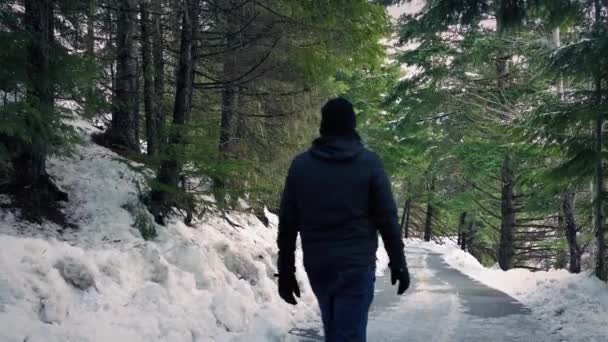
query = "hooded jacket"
{"x": 338, "y": 197}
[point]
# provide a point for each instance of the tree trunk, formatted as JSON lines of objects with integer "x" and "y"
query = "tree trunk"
{"x": 170, "y": 169}
{"x": 229, "y": 123}
{"x": 567, "y": 206}
{"x": 90, "y": 43}
{"x": 31, "y": 163}
{"x": 31, "y": 185}
{"x": 428, "y": 223}
{"x": 472, "y": 245}
{"x": 406, "y": 226}
{"x": 574, "y": 249}
{"x": 159, "y": 71}
{"x": 506, "y": 249}
{"x": 124, "y": 130}
{"x": 598, "y": 203}
{"x": 230, "y": 96}
{"x": 462, "y": 231}
{"x": 109, "y": 26}
{"x": 176, "y": 19}
{"x": 561, "y": 258}
{"x": 148, "y": 70}
{"x": 405, "y": 219}
{"x": 90, "y": 54}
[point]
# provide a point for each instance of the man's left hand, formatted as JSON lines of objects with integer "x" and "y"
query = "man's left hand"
{"x": 288, "y": 287}
{"x": 403, "y": 276}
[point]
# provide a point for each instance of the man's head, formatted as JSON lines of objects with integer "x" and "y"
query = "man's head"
{"x": 338, "y": 118}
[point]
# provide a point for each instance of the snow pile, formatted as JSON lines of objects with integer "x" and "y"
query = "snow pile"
{"x": 100, "y": 281}
{"x": 381, "y": 259}
{"x": 573, "y": 306}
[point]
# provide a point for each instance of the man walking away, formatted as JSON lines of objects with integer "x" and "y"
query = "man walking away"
{"x": 338, "y": 196}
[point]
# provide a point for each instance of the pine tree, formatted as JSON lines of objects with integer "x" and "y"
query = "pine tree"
{"x": 165, "y": 194}
{"x": 472, "y": 84}
{"x": 158, "y": 56}
{"x": 31, "y": 163}
{"x": 123, "y": 132}
{"x": 601, "y": 269}
{"x": 574, "y": 123}
{"x": 149, "y": 73}
{"x": 230, "y": 93}
{"x": 32, "y": 125}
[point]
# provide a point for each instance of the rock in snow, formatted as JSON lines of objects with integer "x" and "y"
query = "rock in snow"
{"x": 75, "y": 272}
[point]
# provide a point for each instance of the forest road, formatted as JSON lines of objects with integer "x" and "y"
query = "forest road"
{"x": 444, "y": 305}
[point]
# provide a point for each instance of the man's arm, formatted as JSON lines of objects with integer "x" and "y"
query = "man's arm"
{"x": 384, "y": 214}
{"x": 288, "y": 226}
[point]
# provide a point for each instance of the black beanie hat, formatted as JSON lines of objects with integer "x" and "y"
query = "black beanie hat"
{"x": 338, "y": 118}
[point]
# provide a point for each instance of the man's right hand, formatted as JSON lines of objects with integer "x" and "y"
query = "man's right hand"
{"x": 403, "y": 276}
{"x": 288, "y": 287}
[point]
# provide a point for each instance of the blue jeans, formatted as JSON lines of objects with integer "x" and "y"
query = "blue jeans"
{"x": 344, "y": 298}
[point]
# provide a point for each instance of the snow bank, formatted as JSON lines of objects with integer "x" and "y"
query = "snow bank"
{"x": 101, "y": 281}
{"x": 573, "y": 306}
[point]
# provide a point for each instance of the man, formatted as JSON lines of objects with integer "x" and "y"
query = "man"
{"x": 338, "y": 196}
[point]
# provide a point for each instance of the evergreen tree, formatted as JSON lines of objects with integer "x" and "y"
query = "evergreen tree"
{"x": 123, "y": 132}
{"x": 168, "y": 176}
{"x": 472, "y": 82}
{"x": 574, "y": 123}
{"x": 32, "y": 125}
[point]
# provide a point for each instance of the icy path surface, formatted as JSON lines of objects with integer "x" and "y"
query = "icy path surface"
{"x": 445, "y": 305}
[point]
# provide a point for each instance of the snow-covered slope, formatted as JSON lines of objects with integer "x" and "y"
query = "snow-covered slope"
{"x": 102, "y": 282}
{"x": 572, "y": 306}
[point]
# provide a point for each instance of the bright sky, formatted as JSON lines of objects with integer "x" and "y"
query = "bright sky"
{"x": 415, "y": 6}
{"x": 410, "y": 7}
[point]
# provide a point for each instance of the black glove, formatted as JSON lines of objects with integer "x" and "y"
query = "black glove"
{"x": 288, "y": 286}
{"x": 403, "y": 276}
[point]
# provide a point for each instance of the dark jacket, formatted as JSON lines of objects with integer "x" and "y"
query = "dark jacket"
{"x": 338, "y": 196}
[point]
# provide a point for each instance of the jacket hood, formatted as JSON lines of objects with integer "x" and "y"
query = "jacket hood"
{"x": 336, "y": 148}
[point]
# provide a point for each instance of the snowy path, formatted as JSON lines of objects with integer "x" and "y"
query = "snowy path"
{"x": 445, "y": 305}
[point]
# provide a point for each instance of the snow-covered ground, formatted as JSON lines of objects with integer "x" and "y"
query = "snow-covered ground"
{"x": 572, "y": 306}
{"x": 102, "y": 282}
